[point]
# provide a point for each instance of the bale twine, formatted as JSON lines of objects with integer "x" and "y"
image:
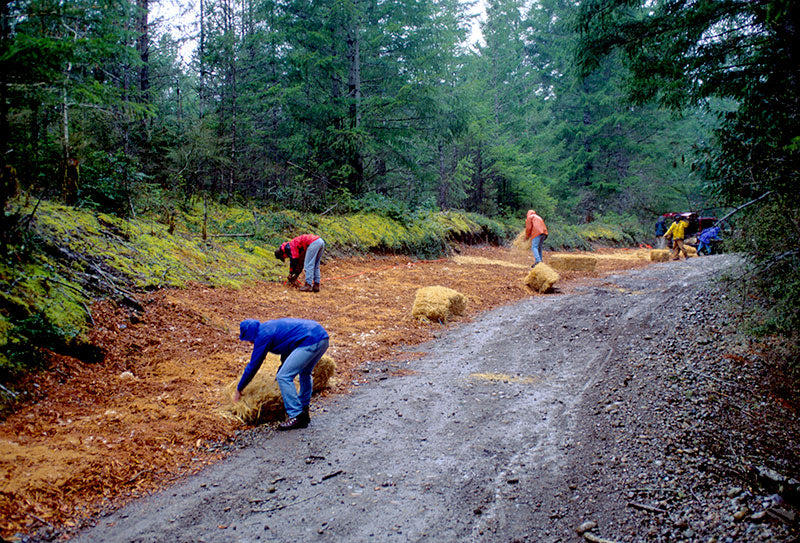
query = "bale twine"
{"x": 261, "y": 399}
{"x": 541, "y": 278}
{"x": 438, "y": 303}
{"x": 573, "y": 262}
{"x": 659, "y": 255}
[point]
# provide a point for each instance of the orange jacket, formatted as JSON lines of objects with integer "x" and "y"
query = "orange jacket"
{"x": 534, "y": 225}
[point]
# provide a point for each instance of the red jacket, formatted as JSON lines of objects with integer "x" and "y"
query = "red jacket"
{"x": 296, "y": 251}
{"x": 297, "y": 246}
{"x": 534, "y": 225}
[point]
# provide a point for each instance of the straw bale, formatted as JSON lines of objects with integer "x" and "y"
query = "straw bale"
{"x": 541, "y": 278}
{"x": 438, "y": 303}
{"x": 659, "y": 255}
{"x": 637, "y": 254}
{"x": 573, "y": 262}
{"x": 261, "y": 399}
{"x": 690, "y": 251}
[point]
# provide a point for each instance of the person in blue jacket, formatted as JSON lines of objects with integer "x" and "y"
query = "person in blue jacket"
{"x": 300, "y": 344}
{"x": 705, "y": 238}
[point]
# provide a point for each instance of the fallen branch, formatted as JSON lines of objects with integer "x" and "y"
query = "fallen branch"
{"x": 39, "y": 519}
{"x": 136, "y": 476}
{"x": 744, "y": 206}
{"x": 27, "y": 220}
{"x": 9, "y": 392}
{"x": 647, "y": 508}
{"x": 331, "y": 475}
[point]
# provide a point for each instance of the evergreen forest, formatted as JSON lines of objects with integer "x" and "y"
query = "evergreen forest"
{"x": 593, "y": 112}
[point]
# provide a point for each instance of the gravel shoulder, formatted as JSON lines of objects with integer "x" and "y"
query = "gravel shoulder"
{"x": 618, "y": 409}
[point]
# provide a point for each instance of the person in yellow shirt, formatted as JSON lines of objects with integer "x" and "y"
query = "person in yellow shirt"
{"x": 677, "y": 231}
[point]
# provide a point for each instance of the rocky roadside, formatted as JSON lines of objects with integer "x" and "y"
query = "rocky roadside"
{"x": 686, "y": 437}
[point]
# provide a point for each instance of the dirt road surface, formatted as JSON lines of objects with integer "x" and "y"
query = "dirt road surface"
{"x": 505, "y": 430}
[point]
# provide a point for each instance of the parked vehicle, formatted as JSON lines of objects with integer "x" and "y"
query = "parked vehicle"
{"x": 696, "y": 223}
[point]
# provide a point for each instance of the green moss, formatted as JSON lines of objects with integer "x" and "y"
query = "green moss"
{"x": 73, "y": 256}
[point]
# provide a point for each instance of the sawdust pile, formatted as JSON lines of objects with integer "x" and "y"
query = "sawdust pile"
{"x": 541, "y": 278}
{"x": 573, "y": 262}
{"x": 659, "y": 255}
{"x": 261, "y": 399}
{"x": 438, "y": 304}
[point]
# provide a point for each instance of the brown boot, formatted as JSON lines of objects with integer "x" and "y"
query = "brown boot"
{"x": 292, "y": 423}
{"x": 306, "y": 288}
{"x": 315, "y": 288}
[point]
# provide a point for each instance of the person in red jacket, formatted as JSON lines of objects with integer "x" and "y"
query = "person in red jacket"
{"x": 536, "y": 231}
{"x": 303, "y": 252}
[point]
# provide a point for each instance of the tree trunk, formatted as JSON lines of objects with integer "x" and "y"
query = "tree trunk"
{"x": 444, "y": 184}
{"x": 354, "y": 94}
{"x": 4, "y": 37}
{"x": 143, "y": 47}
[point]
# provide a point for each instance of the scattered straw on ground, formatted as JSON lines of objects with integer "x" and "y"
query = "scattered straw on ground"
{"x": 480, "y": 261}
{"x": 505, "y": 378}
{"x": 95, "y": 436}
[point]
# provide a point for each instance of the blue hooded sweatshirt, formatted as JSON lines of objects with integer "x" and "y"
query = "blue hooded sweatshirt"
{"x": 279, "y": 336}
{"x": 708, "y": 235}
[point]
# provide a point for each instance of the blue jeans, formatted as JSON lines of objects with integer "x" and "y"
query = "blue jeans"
{"x": 300, "y": 362}
{"x": 311, "y": 263}
{"x": 536, "y": 247}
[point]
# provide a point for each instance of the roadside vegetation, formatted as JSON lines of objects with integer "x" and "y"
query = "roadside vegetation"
{"x": 64, "y": 258}
{"x": 129, "y": 167}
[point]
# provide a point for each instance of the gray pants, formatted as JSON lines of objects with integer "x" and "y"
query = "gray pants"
{"x": 313, "y": 258}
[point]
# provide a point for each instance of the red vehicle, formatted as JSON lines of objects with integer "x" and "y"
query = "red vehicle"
{"x": 696, "y": 223}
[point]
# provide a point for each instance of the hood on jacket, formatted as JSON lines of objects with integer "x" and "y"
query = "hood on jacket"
{"x": 248, "y": 329}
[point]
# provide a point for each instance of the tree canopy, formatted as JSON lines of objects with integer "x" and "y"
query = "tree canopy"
{"x": 738, "y": 60}
{"x": 310, "y": 105}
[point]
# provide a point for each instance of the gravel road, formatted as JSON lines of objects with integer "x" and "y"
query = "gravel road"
{"x": 563, "y": 412}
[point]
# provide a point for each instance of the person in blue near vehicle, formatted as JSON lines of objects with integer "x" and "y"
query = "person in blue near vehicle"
{"x": 300, "y": 344}
{"x": 705, "y": 238}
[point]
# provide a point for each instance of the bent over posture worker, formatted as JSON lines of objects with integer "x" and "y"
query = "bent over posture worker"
{"x": 677, "y": 230}
{"x": 304, "y": 252}
{"x": 300, "y": 344}
{"x": 536, "y": 231}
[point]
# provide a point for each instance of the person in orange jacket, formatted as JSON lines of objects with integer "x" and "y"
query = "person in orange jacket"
{"x": 536, "y": 231}
{"x": 303, "y": 252}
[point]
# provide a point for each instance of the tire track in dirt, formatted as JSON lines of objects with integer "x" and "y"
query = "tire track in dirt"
{"x": 474, "y": 445}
